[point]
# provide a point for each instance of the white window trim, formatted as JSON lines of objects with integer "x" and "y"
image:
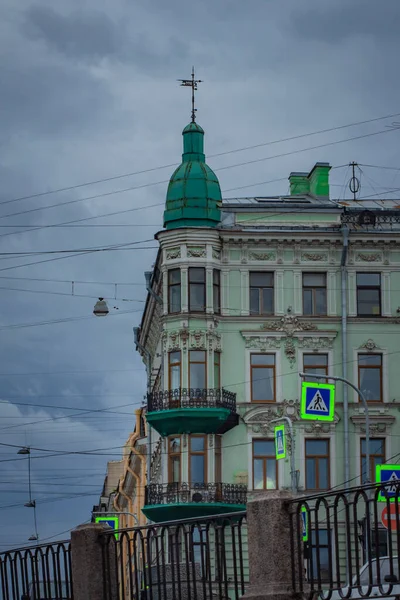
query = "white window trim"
{"x": 281, "y": 464}
{"x": 360, "y": 436}
{"x": 278, "y": 371}
{"x": 385, "y": 372}
{"x": 332, "y": 453}
{"x": 301, "y": 353}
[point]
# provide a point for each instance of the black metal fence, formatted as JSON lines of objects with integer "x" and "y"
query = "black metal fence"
{"x": 183, "y": 493}
{"x": 37, "y": 573}
{"x": 200, "y": 559}
{"x": 346, "y": 544}
{"x": 192, "y": 398}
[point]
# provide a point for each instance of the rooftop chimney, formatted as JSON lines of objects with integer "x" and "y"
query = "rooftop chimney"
{"x": 299, "y": 184}
{"x": 319, "y": 179}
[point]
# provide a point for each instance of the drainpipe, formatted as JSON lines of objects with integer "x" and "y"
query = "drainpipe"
{"x": 343, "y": 269}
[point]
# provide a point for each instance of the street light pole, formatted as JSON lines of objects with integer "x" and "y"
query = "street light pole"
{"x": 116, "y": 514}
{"x": 365, "y": 405}
{"x": 293, "y": 478}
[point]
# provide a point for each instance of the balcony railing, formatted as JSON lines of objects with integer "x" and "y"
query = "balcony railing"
{"x": 191, "y": 398}
{"x": 205, "y": 493}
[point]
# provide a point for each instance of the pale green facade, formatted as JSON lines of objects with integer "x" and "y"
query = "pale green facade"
{"x": 287, "y": 238}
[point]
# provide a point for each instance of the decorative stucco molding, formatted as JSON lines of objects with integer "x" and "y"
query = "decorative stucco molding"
{"x": 316, "y": 342}
{"x": 216, "y": 253}
{"x": 197, "y": 339}
{"x": 258, "y": 418}
{"x": 196, "y": 251}
{"x": 261, "y": 255}
{"x": 309, "y": 256}
{"x": 262, "y": 343}
{"x": 289, "y": 325}
{"x": 379, "y": 423}
{"x": 369, "y": 345}
{"x": 375, "y": 257}
{"x": 173, "y": 253}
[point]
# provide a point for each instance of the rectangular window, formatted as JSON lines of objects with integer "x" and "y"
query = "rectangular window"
{"x": 217, "y": 370}
{"x": 314, "y": 294}
{"x": 323, "y": 552}
{"x": 377, "y": 457}
{"x": 317, "y": 364}
{"x": 317, "y": 464}
{"x": 198, "y": 459}
{"x": 197, "y": 289}
{"x": 174, "y": 370}
{"x": 265, "y": 467}
{"x": 261, "y": 293}
{"x": 370, "y": 376}
{"x": 262, "y": 377}
{"x": 174, "y": 290}
{"x": 174, "y": 459}
{"x": 368, "y": 294}
{"x": 217, "y": 291}
{"x": 197, "y": 369}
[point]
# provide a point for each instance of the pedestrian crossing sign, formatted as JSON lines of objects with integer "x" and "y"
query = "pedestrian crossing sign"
{"x": 389, "y": 475}
{"x": 304, "y": 524}
{"x": 280, "y": 442}
{"x": 317, "y": 401}
{"x": 112, "y": 521}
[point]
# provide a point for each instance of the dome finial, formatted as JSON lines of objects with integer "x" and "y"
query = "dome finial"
{"x": 193, "y": 84}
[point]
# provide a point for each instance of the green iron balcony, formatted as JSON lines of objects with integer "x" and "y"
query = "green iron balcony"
{"x": 192, "y": 410}
{"x": 177, "y": 501}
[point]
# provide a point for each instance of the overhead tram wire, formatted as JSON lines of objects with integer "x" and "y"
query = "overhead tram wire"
{"x": 167, "y": 181}
{"x": 160, "y": 167}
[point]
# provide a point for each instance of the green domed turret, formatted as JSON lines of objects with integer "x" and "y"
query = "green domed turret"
{"x": 193, "y": 196}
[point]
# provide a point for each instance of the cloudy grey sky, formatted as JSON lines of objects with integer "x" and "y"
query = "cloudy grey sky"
{"x": 89, "y": 91}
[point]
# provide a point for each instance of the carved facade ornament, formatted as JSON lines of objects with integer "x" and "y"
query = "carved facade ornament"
{"x": 279, "y": 253}
{"x": 262, "y": 343}
{"x": 290, "y": 351}
{"x": 261, "y": 255}
{"x": 216, "y": 253}
{"x": 369, "y": 345}
{"x": 211, "y": 440}
{"x": 173, "y": 253}
{"x": 196, "y": 251}
{"x": 289, "y": 324}
{"x": 315, "y": 343}
{"x": 197, "y": 340}
{"x": 258, "y": 419}
{"x": 309, "y": 256}
{"x": 375, "y": 257}
{"x": 317, "y": 428}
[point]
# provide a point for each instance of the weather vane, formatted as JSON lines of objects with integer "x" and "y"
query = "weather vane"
{"x": 193, "y": 84}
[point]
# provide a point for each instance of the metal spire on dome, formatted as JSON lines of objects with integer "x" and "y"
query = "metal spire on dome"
{"x": 193, "y": 84}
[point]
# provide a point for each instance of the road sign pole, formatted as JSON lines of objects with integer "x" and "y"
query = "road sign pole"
{"x": 293, "y": 477}
{"x": 365, "y": 405}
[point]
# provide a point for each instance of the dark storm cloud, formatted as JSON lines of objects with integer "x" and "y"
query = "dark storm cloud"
{"x": 90, "y": 36}
{"x": 334, "y": 22}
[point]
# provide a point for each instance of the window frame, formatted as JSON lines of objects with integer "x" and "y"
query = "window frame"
{"x": 315, "y": 546}
{"x": 217, "y": 369}
{"x": 313, "y": 368}
{"x": 217, "y": 459}
{"x": 265, "y": 458}
{"x": 174, "y": 455}
{"x": 260, "y": 294}
{"x": 361, "y": 288}
{"x": 313, "y": 288}
{"x": 203, "y": 453}
{"x": 172, "y": 285}
{"x": 170, "y": 365}
{"x": 197, "y": 362}
{"x": 375, "y": 367}
{"x": 216, "y": 291}
{"x": 317, "y": 458}
{"x": 373, "y": 456}
{"x": 273, "y": 401}
{"x": 198, "y": 284}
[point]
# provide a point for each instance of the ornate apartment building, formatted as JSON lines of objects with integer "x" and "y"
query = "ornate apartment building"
{"x": 245, "y": 294}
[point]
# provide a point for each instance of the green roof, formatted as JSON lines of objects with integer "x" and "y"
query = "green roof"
{"x": 194, "y": 195}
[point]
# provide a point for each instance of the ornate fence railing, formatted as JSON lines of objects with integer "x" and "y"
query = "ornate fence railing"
{"x": 199, "y": 559}
{"x": 346, "y": 544}
{"x": 182, "y": 493}
{"x": 37, "y": 573}
{"x": 191, "y": 398}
